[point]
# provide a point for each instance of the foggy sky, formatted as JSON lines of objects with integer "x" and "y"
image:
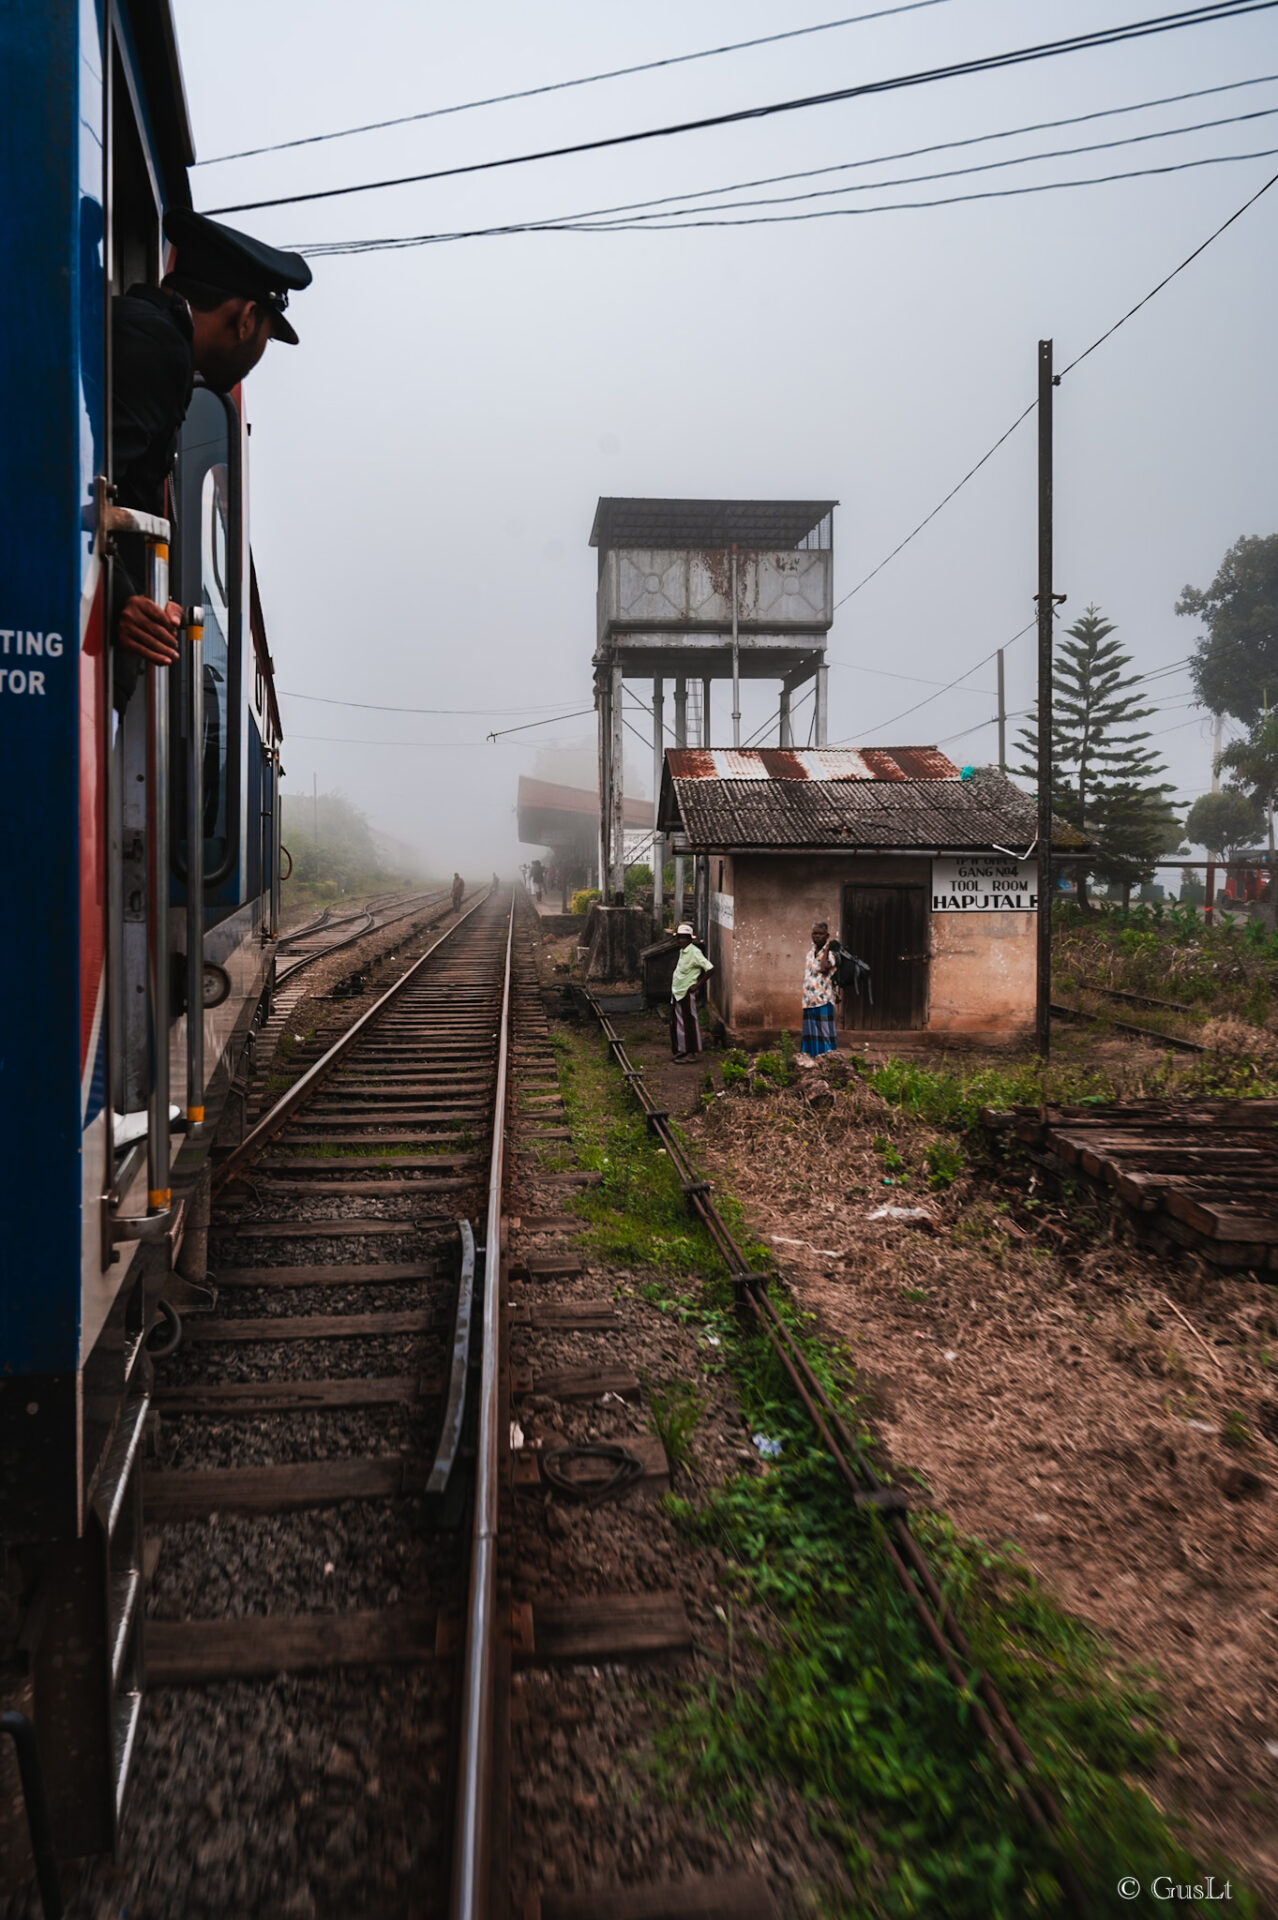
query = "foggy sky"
{"x": 426, "y": 464}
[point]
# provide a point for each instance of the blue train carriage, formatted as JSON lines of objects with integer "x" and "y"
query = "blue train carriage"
{"x": 119, "y": 919}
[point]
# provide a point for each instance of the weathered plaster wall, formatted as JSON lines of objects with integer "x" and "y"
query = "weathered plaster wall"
{"x": 982, "y": 973}
{"x": 981, "y": 980}
{"x": 776, "y": 899}
{"x": 722, "y": 948}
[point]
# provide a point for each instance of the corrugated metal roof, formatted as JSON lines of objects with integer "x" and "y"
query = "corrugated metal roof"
{"x": 810, "y": 763}
{"x": 718, "y": 813}
{"x": 752, "y": 524}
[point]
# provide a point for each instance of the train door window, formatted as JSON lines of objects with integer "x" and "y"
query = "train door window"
{"x": 208, "y": 548}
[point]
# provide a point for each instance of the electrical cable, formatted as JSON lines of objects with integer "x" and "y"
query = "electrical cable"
{"x": 372, "y": 706}
{"x": 948, "y": 687}
{"x": 561, "y": 86}
{"x": 1033, "y": 405}
{"x": 579, "y": 714}
{"x": 690, "y": 225}
{"x": 1213, "y": 13}
{"x": 882, "y": 673}
{"x": 686, "y": 216}
{"x": 388, "y": 243}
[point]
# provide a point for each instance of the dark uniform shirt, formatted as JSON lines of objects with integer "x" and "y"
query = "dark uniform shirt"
{"x": 152, "y": 378}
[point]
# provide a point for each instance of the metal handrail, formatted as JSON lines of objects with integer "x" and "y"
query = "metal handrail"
{"x": 154, "y": 1223}
{"x": 195, "y": 872}
{"x": 159, "y": 1194}
{"x": 471, "y": 1862}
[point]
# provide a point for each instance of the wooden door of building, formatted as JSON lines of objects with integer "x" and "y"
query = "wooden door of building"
{"x": 887, "y": 927}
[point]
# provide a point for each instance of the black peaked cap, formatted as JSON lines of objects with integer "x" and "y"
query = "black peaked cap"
{"x": 219, "y": 255}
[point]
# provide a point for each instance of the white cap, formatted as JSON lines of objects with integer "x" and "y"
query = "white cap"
{"x": 685, "y": 928}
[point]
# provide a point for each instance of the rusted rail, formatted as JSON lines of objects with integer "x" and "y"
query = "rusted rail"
{"x": 1172, "y": 1040}
{"x": 868, "y": 1491}
{"x": 471, "y": 1853}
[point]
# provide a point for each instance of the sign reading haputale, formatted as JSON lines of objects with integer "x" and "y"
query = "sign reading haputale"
{"x": 984, "y": 883}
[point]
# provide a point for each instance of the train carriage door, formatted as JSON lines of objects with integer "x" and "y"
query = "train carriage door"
{"x": 888, "y": 927}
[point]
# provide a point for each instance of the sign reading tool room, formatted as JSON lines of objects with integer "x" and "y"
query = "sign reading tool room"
{"x": 984, "y": 883}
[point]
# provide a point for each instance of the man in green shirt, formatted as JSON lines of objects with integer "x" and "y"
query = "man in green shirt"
{"x": 685, "y": 1028}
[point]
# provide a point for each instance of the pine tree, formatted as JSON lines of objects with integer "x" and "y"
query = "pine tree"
{"x": 1105, "y": 777}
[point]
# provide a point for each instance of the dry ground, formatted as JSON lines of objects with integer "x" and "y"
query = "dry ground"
{"x": 1064, "y": 1391}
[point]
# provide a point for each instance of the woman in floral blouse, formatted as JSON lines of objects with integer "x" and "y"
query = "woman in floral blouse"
{"x": 819, "y": 1034}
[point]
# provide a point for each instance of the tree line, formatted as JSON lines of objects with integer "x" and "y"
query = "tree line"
{"x": 1109, "y": 781}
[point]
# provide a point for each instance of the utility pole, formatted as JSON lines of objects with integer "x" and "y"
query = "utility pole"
{"x": 1002, "y": 716}
{"x": 736, "y": 656}
{"x": 315, "y": 809}
{"x": 1217, "y": 731}
{"x": 658, "y": 768}
{"x": 1046, "y": 611}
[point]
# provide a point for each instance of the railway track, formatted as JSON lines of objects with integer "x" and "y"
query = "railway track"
{"x": 313, "y": 1443}
{"x": 334, "y": 935}
{"x": 339, "y": 1503}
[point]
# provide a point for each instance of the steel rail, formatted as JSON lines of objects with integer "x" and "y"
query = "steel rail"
{"x": 905, "y": 1556}
{"x": 375, "y": 904}
{"x": 471, "y": 1852}
{"x": 269, "y": 1125}
{"x": 298, "y": 962}
{"x": 1172, "y": 1040}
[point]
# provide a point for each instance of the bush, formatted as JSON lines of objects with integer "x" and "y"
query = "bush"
{"x": 735, "y": 1069}
{"x": 944, "y": 1160}
{"x": 637, "y": 878}
{"x": 583, "y": 900}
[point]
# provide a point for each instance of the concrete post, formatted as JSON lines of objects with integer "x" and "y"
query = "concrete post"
{"x": 617, "y": 772}
{"x": 705, "y": 713}
{"x": 681, "y": 740}
{"x": 822, "y": 697}
{"x": 785, "y": 737}
{"x": 658, "y": 767}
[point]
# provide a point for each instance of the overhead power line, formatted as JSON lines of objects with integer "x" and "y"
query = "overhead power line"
{"x": 1032, "y": 407}
{"x": 372, "y": 706}
{"x": 666, "y": 203}
{"x": 1217, "y": 10}
{"x": 690, "y": 225}
{"x": 562, "y": 86}
{"x": 949, "y": 686}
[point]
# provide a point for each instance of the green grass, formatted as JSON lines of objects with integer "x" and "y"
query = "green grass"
{"x": 328, "y": 1150}
{"x": 676, "y": 1410}
{"x": 848, "y": 1704}
{"x": 638, "y": 1216}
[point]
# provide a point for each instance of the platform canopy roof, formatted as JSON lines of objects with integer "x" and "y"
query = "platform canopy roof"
{"x": 555, "y": 816}
{"x": 764, "y": 525}
{"x": 846, "y": 798}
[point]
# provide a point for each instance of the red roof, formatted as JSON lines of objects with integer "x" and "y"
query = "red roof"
{"x": 810, "y": 763}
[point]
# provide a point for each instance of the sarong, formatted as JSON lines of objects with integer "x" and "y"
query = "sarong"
{"x": 819, "y": 1033}
{"x": 685, "y": 1028}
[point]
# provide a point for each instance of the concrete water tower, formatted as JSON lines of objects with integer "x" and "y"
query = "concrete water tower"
{"x": 696, "y": 591}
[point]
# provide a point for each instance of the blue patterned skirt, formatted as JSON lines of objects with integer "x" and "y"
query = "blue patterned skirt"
{"x": 819, "y": 1034}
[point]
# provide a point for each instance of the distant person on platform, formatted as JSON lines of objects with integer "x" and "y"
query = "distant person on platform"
{"x": 459, "y": 891}
{"x": 690, "y": 969}
{"x": 819, "y": 1032}
{"x": 538, "y": 875}
{"x": 210, "y": 320}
